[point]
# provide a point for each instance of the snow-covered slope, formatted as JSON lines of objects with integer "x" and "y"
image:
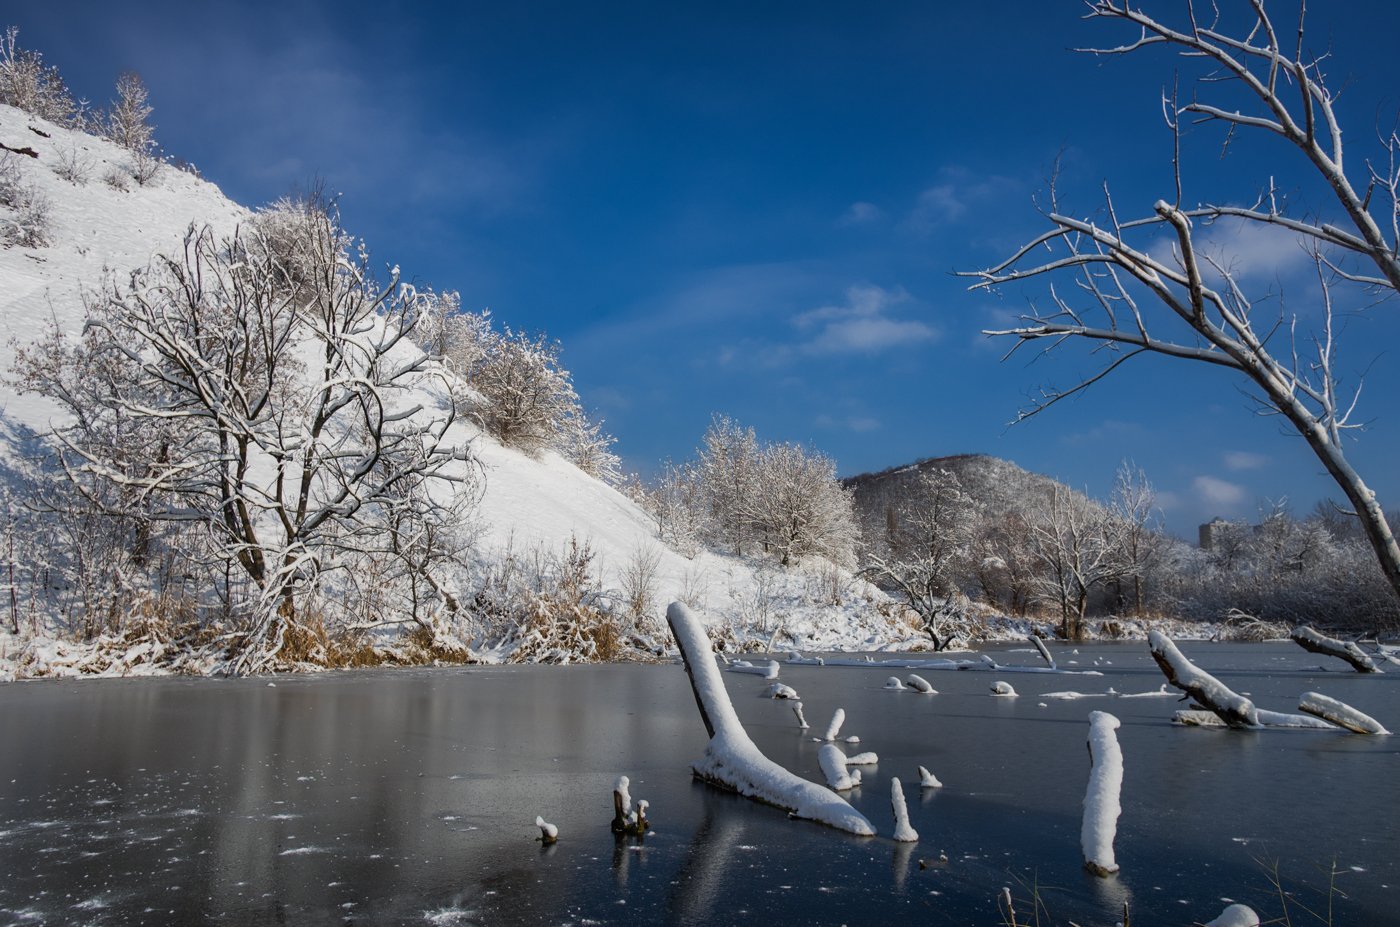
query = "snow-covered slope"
{"x": 531, "y": 506}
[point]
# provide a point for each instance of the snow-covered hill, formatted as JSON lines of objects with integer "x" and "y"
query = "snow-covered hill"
{"x": 530, "y": 506}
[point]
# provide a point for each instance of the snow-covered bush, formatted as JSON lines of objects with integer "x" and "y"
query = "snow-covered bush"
{"x": 24, "y": 220}
{"x": 73, "y": 166}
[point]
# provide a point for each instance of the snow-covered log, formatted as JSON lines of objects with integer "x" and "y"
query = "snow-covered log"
{"x": 778, "y": 690}
{"x": 1101, "y": 805}
{"x": 1191, "y": 718}
{"x": 767, "y": 670}
{"x": 1044, "y": 651}
{"x": 731, "y": 759}
{"x": 863, "y": 759}
{"x": 1236, "y": 915}
{"x": 1234, "y": 709}
{"x": 928, "y": 780}
{"x": 1314, "y": 642}
{"x": 1340, "y": 714}
{"x": 1003, "y": 690}
{"x": 921, "y": 685}
{"x": 903, "y": 832}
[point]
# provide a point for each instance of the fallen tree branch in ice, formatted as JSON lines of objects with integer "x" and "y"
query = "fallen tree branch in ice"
{"x": 1044, "y": 651}
{"x": 767, "y": 670}
{"x": 833, "y": 763}
{"x": 1191, "y": 718}
{"x": 1340, "y": 714}
{"x": 1234, "y": 709}
{"x": 1315, "y": 642}
{"x": 838, "y": 718}
{"x": 731, "y": 759}
{"x": 920, "y": 684}
{"x": 1101, "y": 798}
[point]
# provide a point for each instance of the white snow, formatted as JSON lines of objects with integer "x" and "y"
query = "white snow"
{"x": 862, "y": 759}
{"x": 778, "y": 690}
{"x": 893, "y": 683}
{"x": 920, "y": 684}
{"x": 767, "y": 670}
{"x": 548, "y": 831}
{"x": 732, "y": 759}
{"x": 1236, "y": 915}
{"x": 1003, "y": 690}
{"x": 903, "y": 832}
{"x": 928, "y": 780}
{"x": 801, "y": 718}
{"x": 1101, "y": 799}
{"x": 624, "y": 789}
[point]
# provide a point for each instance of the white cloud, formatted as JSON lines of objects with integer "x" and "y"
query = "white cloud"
{"x": 1245, "y": 460}
{"x": 1218, "y": 492}
{"x": 862, "y": 325}
{"x": 948, "y": 201}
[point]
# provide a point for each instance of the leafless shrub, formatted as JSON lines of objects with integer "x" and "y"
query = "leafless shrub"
{"x": 638, "y": 579}
{"x": 116, "y": 178}
{"x": 73, "y": 166}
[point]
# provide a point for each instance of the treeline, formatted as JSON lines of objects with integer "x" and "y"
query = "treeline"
{"x": 944, "y": 535}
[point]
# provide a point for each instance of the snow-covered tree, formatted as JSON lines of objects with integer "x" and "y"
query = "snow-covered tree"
{"x": 728, "y": 472}
{"x": 1141, "y": 542}
{"x": 29, "y": 84}
{"x": 798, "y": 507}
{"x": 128, "y": 118}
{"x": 283, "y": 419}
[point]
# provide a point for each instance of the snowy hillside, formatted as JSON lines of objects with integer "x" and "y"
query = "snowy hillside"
{"x": 531, "y": 506}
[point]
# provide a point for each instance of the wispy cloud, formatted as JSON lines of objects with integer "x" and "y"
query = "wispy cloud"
{"x": 860, "y": 213}
{"x": 1218, "y": 492}
{"x": 861, "y": 325}
{"x": 957, "y": 193}
{"x": 1245, "y": 460}
{"x": 860, "y": 424}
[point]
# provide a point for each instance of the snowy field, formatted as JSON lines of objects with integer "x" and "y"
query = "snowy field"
{"x": 409, "y": 797}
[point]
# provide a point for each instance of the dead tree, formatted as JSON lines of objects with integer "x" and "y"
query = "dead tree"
{"x": 1231, "y": 707}
{"x": 1134, "y": 299}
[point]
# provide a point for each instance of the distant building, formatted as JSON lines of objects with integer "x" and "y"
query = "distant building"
{"x": 1212, "y": 531}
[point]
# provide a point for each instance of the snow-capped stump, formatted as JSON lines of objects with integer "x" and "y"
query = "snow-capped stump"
{"x": 643, "y": 822}
{"x": 1234, "y": 709}
{"x": 1236, "y": 915}
{"x": 920, "y": 684}
{"x": 731, "y": 759}
{"x": 622, "y": 805}
{"x": 893, "y": 683}
{"x": 833, "y": 763}
{"x": 903, "y": 832}
{"x": 801, "y": 718}
{"x": 1314, "y": 642}
{"x": 852, "y": 739}
{"x": 1101, "y": 804}
{"x": 1340, "y": 714}
{"x": 1003, "y": 689}
{"x": 549, "y": 834}
{"x": 780, "y": 691}
{"x": 928, "y": 780}
{"x": 767, "y": 670}
{"x": 838, "y": 718}
{"x": 862, "y": 759}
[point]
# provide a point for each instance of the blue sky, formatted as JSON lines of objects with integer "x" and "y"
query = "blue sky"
{"x": 756, "y": 208}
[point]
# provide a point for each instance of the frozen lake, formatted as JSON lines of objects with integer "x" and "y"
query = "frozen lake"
{"x": 407, "y": 797}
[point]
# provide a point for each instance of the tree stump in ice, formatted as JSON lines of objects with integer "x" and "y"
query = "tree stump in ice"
{"x": 1101, "y": 798}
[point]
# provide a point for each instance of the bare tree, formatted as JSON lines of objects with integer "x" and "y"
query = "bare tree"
{"x": 1076, "y": 543}
{"x": 798, "y": 507}
{"x": 1134, "y": 505}
{"x": 928, "y": 546}
{"x": 283, "y": 419}
{"x": 1134, "y": 299}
